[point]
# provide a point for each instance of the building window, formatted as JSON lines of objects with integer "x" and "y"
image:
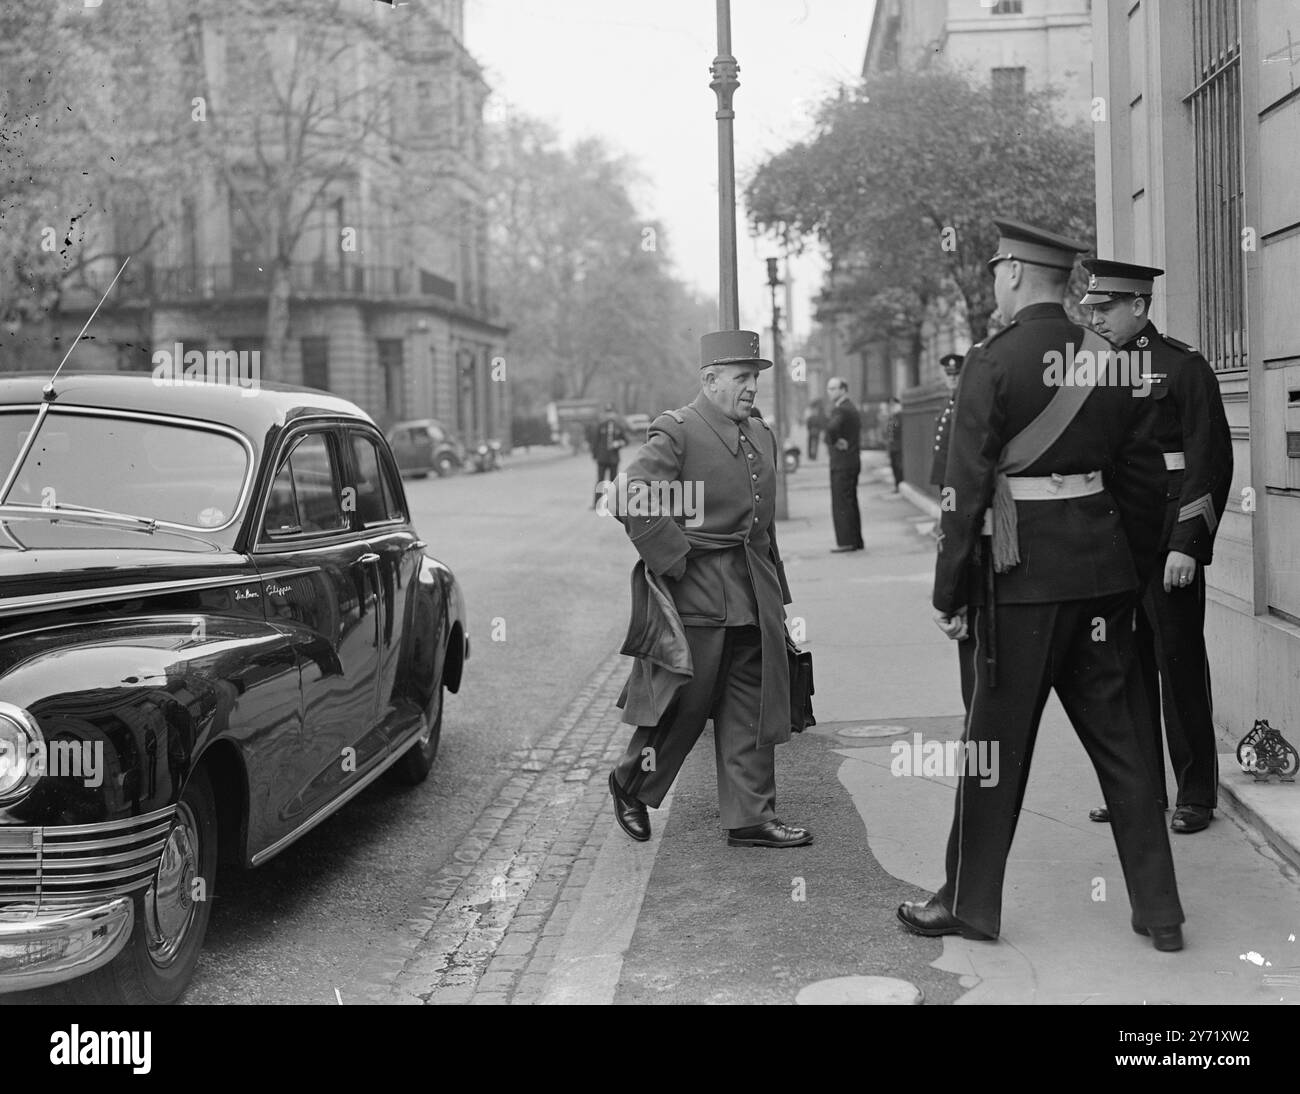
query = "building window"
{"x": 315, "y": 362}
{"x": 1008, "y": 83}
{"x": 1216, "y": 122}
{"x": 1008, "y": 7}
{"x": 390, "y": 364}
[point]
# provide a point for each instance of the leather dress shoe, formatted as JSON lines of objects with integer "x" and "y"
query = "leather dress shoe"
{"x": 631, "y": 814}
{"x": 1102, "y": 815}
{"x": 1191, "y": 818}
{"x": 841, "y": 550}
{"x": 931, "y": 918}
{"x": 1168, "y": 939}
{"x": 769, "y": 834}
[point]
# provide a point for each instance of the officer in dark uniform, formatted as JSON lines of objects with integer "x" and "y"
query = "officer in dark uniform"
{"x": 722, "y": 569}
{"x": 1192, "y": 431}
{"x": 951, "y": 363}
{"x": 1071, "y": 480}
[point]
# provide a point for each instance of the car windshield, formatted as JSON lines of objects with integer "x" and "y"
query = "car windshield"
{"x": 172, "y": 473}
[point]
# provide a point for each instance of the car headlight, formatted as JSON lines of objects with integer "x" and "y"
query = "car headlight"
{"x": 18, "y": 734}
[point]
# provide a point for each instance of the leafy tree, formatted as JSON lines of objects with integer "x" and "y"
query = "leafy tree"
{"x": 593, "y": 306}
{"x": 900, "y": 182}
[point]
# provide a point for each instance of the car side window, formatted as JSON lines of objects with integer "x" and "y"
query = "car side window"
{"x": 305, "y": 498}
{"x": 377, "y": 498}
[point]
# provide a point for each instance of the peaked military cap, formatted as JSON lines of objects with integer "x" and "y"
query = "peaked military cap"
{"x": 1026, "y": 243}
{"x": 952, "y": 362}
{"x": 731, "y": 347}
{"x": 1108, "y": 279}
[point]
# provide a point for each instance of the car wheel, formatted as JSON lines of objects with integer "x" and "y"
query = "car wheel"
{"x": 171, "y": 916}
{"x": 416, "y": 762}
{"x": 446, "y": 466}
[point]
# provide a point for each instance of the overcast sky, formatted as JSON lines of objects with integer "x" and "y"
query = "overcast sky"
{"x": 636, "y": 73}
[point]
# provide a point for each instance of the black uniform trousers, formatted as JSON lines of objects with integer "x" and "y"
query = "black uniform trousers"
{"x": 1171, "y": 646}
{"x": 844, "y": 507}
{"x": 1096, "y": 677}
{"x": 726, "y": 687}
{"x": 896, "y": 466}
{"x": 606, "y": 470}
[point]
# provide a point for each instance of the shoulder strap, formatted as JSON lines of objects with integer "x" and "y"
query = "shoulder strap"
{"x": 1053, "y": 420}
{"x": 676, "y": 415}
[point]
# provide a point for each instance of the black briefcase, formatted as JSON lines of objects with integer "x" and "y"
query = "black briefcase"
{"x": 801, "y": 686}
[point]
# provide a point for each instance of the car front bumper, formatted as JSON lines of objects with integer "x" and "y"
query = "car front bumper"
{"x": 38, "y": 949}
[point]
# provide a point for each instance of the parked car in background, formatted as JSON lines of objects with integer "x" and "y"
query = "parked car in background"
{"x": 638, "y": 426}
{"x": 217, "y": 626}
{"x": 426, "y": 445}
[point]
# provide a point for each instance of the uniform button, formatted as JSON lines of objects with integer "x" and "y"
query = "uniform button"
{"x": 751, "y": 455}
{"x": 754, "y": 477}
{"x": 756, "y": 520}
{"x": 936, "y": 448}
{"x": 756, "y": 498}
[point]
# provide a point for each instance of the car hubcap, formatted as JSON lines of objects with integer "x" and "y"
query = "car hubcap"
{"x": 170, "y": 902}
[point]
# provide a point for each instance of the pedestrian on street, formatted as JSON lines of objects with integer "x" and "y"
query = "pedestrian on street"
{"x": 708, "y": 596}
{"x": 894, "y": 440}
{"x": 816, "y": 422}
{"x": 844, "y": 443}
{"x": 1067, "y": 477}
{"x": 1194, "y": 438}
{"x": 607, "y": 439}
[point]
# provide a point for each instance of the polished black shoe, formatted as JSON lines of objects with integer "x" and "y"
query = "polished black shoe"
{"x": 1100, "y": 815}
{"x": 1168, "y": 939}
{"x": 930, "y": 918}
{"x": 841, "y": 550}
{"x": 632, "y": 815}
{"x": 769, "y": 834}
{"x": 1191, "y": 818}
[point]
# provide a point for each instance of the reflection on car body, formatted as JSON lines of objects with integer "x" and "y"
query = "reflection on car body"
{"x": 224, "y": 598}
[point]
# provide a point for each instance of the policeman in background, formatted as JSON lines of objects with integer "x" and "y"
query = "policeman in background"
{"x": 1071, "y": 481}
{"x": 1192, "y": 431}
{"x": 951, "y": 363}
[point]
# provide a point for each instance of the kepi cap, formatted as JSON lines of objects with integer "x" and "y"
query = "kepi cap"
{"x": 1026, "y": 243}
{"x": 731, "y": 347}
{"x": 1108, "y": 279}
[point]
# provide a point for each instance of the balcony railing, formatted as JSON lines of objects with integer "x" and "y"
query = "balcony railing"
{"x": 141, "y": 284}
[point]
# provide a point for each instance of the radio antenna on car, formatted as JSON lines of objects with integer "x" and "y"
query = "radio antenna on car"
{"x": 48, "y": 393}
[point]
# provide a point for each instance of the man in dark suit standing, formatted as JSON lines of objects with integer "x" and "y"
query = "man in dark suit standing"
{"x": 1060, "y": 469}
{"x": 1196, "y": 443}
{"x": 720, "y": 565}
{"x": 607, "y": 438}
{"x": 843, "y": 442}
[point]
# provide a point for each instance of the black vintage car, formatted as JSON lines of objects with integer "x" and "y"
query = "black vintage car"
{"x": 217, "y": 625}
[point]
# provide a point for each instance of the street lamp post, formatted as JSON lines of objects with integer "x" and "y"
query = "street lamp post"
{"x": 778, "y": 395}
{"x": 724, "y": 83}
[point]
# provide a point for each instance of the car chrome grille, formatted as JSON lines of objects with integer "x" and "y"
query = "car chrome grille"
{"x": 58, "y": 865}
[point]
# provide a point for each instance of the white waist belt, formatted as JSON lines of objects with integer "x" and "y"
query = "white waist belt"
{"x": 1175, "y": 461}
{"x": 1048, "y": 488}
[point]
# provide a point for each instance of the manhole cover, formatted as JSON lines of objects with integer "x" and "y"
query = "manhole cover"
{"x": 860, "y": 990}
{"x": 872, "y": 731}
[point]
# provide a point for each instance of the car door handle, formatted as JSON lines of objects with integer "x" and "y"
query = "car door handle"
{"x": 368, "y": 557}
{"x": 418, "y": 545}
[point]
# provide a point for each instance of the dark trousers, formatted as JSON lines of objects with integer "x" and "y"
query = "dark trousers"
{"x": 1040, "y": 647}
{"x": 896, "y": 466}
{"x": 606, "y": 470}
{"x": 1171, "y": 648}
{"x": 726, "y": 687}
{"x": 844, "y": 507}
{"x": 814, "y": 435}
